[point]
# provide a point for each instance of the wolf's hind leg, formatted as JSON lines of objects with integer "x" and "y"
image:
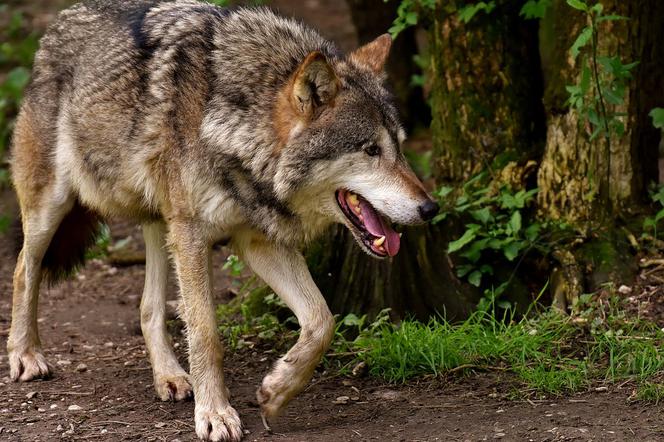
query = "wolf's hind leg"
{"x": 285, "y": 270}
{"x": 40, "y": 222}
{"x": 170, "y": 381}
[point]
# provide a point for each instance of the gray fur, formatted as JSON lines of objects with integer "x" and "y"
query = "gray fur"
{"x": 132, "y": 74}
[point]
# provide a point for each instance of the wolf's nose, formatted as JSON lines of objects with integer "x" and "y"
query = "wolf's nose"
{"x": 428, "y": 210}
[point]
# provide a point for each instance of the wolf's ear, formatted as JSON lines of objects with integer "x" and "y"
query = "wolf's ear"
{"x": 314, "y": 84}
{"x": 373, "y": 55}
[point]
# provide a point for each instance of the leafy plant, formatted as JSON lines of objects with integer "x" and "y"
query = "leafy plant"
{"x": 469, "y": 11}
{"x": 494, "y": 224}
{"x": 408, "y": 14}
{"x": 602, "y": 85}
{"x": 657, "y": 115}
{"x": 234, "y": 266}
{"x": 535, "y": 8}
{"x": 650, "y": 223}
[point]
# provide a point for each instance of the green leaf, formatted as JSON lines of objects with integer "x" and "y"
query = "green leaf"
{"x": 515, "y": 222}
{"x": 657, "y": 115}
{"x": 464, "y": 269}
{"x": 482, "y": 215}
{"x": 532, "y": 231}
{"x": 458, "y": 244}
{"x": 659, "y": 215}
{"x": 535, "y": 8}
{"x": 581, "y": 40}
{"x": 475, "y": 278}
{"x": 440, "y": 217}
{"x": 443, "y": 191}
{"x": 597, "y": 132}
{"x": 578, "y": 4}
{"x": 411, "y": 18}
{"x": 468, "y": 12}
{"x": 598, "y": 8}
{"x": 474, "y": 252}
{"x": 511, "y": 251}
{"x": 351, "y": 320}
{"x": 611, "y": 17}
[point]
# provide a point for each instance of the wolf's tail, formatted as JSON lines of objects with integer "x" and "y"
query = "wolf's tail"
{"x": 77, "y": 232}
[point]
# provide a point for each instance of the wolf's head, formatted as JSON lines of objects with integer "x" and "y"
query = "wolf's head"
{"x": 340, "y": 151}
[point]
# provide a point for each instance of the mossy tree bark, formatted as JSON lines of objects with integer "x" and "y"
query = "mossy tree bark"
{"x": 489, "y": 105}
{"x": 589, "y": 184}
{"x": 486, "y": 96}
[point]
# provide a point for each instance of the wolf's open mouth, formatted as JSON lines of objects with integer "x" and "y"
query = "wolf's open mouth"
{"x": 373, "y": 230}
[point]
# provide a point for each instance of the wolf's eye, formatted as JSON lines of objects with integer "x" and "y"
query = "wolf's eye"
{"x": 372, "y": 150}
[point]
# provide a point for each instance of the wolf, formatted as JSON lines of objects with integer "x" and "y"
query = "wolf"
{"x": 204, "y": 124}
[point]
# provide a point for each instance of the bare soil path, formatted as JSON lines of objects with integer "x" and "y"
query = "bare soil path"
{"x": 93, "y": 320}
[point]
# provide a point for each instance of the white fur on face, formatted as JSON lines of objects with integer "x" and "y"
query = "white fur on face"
{"x": 380, "y": 180}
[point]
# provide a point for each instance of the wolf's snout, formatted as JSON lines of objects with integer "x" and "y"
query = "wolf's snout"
{"x": 428, "y": 210}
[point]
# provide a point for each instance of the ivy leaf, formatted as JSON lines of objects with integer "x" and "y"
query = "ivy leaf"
{"x": 468, "y": 12}
{"x": 611, "y": 17}
{"x": 463, "y": 270}
{"x": 577, "y": 4}
{"x": 512, "y": 250}
{"x": 411, "y": 18}
{"x": 475, "y": 278}
{"x": 515, "y": 222}
{"x": 581, "y": 40}
{"x": 458, "y": 244}
{"x": 535, "y": 9}
{"x": 482, "y": 215}
{"x": 657, "y": 115}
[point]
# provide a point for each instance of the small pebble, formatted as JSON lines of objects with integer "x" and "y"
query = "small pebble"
{"x": 341, "y": 400}
{"x": 31, "y": 394}
{"x": 63, "y": 362}
{"x": 74, "y": 408}
{"x": 81, "y": 368}
{"x": 624, "y": 290}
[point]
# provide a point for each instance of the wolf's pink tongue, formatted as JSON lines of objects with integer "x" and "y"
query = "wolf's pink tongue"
{"x": 378, "y": 227}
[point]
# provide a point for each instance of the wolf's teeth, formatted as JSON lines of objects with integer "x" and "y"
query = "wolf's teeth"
{"x": 360, "y": 217}
{"x": 400, "y": 234}
{"x": 379, "y": 242}
{"x": 358, "y": 210}
{"x": 352, "y": 199}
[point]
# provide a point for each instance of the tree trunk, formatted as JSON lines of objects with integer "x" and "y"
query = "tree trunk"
{"x": 587, "y": 183}
{"x": 421, "y": 280}
{"x": 487, "y": 90}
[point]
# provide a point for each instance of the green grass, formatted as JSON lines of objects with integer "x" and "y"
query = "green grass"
{"x": 550, "y": 353}
{"x": 547, "y": 352}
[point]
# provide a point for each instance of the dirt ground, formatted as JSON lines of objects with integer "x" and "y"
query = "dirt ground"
{"x": 93, "y": 320}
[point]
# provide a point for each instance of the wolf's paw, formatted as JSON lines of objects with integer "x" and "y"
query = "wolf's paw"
{"x": 278, "y": 388}
{"x": 28, "y": 365}
{"x": 173, "y": 387}
{"x": 218, "y": 425}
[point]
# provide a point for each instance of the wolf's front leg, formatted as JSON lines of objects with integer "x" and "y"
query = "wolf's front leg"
{"x": 215, "y": 419}
{"x": 286, "y": 272}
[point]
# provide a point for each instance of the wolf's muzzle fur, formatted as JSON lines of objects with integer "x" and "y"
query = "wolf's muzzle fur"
{"x": 203, "y": 123}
